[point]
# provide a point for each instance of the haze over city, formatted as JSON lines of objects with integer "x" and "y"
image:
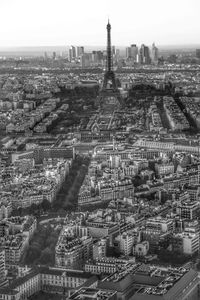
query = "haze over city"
{"x": 54, "y": 23}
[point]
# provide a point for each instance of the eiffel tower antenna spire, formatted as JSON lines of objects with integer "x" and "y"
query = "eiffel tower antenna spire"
{"x": 109, "y": 49}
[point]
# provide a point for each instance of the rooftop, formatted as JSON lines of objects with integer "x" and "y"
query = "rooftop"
{"x": 91, "y": 293}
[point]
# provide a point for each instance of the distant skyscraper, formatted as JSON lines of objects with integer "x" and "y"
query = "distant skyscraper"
{"x": 45, "y": 56}
{"x": 54, "y": 55}
{"x": 144, "y": 56}
{"x": 117, "y": 53}
{"x": 85, "y": 60}
{"x": 154, "y": 53}
{"x": 128, "y": 52}
{"x": 79, "y": 51}
{"x": 72, "y": 53}
{"x": 113, "y": 50}
{"x": 131, "y": 52}
{"x": 97, "y": 56}
{"x": 134, "y": 52}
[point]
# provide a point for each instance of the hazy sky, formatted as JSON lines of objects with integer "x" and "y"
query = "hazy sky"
{"x": 83, "y": 22}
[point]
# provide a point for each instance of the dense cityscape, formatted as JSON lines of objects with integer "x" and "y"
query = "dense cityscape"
{"x": 100, "y": 173}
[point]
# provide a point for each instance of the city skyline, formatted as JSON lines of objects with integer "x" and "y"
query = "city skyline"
{"x": 99, "y": 151}
{"x": 46, "y": 24}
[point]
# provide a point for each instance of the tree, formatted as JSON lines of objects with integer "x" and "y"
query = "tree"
{"x": 42, "y": 246}
{"x": 137, "y": 181}
{"x": 61, "y": 212}
{"x": 45, "y": 205}
{"x": 174, "y": 258}
{"x": 32, "y": 209}
{"x": 32, "y": 254}
{"x": 47, "y": 256}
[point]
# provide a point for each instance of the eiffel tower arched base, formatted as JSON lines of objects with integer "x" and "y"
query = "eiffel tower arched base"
{"x": 109, "y": 100}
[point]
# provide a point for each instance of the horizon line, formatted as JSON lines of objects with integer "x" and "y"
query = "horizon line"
{"x": 76, "y": 45}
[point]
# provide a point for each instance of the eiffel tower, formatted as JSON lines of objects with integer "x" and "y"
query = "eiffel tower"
{"x": 109, "y": 98}
{"x": 109, "y": 76}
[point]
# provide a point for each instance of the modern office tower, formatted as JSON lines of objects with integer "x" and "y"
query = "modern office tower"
{"x": 45, "y": 56}
{"x": 72, "y": 53}
{"x": 131, "y": 52}
{"x": 147, "y": 58}
{"x": 100, "y": 55}
{"x": 97, "y": 57}
{"x": 128, "y": 52}
{"x": 85, "y": 60}
{"x": 144, "y": 56}
{"x": 54, "y": 55}
{"x": 198, "y": 53}
{"x": 117, "y": 53}
{"x": 94, "y": 57}
{"x": 113, "y": 50}
{"x": 79, "y": 51}
{"x": 154, "y": 54}
{"x": 134, "y": 52}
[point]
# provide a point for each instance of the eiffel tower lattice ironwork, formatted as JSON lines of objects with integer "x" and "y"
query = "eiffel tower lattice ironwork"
{"x": 109, "y": 77}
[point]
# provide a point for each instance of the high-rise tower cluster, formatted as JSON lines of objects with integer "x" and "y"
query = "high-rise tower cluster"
{"x": 142, "y": 55}
{"x": 75, "y": 52}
